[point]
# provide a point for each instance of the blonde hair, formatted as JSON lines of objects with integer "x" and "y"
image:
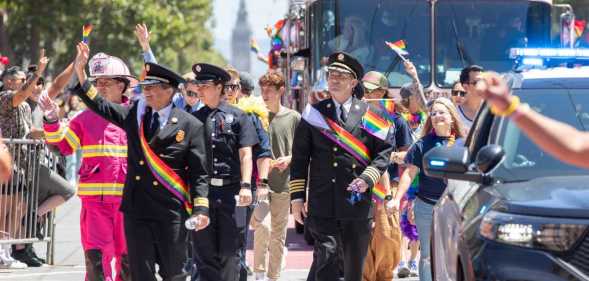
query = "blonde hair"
{"x": 232, "y": 72}
{"x": 457, "y": 127}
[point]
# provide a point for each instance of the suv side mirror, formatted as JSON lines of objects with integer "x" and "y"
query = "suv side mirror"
{"x": 449, "y": 163}
{"x": 489, "y": 157}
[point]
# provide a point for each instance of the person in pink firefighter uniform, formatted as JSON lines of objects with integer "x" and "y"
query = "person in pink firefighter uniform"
{"x": 103, "y": 169}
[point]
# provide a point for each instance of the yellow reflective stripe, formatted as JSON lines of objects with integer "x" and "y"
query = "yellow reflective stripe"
{"x": 90, "y": 193}
{"x": 72, "y": 139}
{"x": 57, "y": 136}
{"x": 100, "y": 188}
{"x": 102, "y": 146}
{"x": 104, "y": 151}
{"x": 92, "y": 93}
{"x": 201, "y": 202}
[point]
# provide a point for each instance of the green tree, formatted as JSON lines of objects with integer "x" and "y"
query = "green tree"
{"x": 180, "y": 30}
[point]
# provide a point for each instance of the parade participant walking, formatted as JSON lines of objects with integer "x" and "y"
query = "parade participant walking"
{"x": 103, "y": 169}
{"x": 270, "y": 218}
{"x": 230, "y": 136}
{"x": 443, "y": 127}
{"x": 338, "y": 161}
{"x": 557, "y": 138}
{"x": 384, "y": 251}
{"x": 166, "y": 180}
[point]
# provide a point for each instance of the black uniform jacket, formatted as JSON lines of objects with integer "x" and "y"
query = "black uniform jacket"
{"x": 324, "y": 170}
{"x": 180, "y": 144}
{"x": 227, "y": 129}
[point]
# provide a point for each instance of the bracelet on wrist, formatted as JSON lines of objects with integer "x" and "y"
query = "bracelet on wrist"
{"x": 246, "y": 185}
{"x": 513, "y": 105}
{"x": 520, "y": 111}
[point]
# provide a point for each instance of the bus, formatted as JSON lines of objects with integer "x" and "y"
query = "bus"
{"x": 441, "y": 36}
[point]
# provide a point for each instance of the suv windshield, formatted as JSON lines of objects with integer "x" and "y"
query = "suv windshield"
{"x": 524, "y": 160}
{"x": 482, "y": 32}
{"x": 361, "y": 29}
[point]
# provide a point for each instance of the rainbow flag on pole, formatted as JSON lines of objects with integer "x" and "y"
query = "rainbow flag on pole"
{"x": 375, "y": 125}
{"x": 254, "y": 46}
{"x": 86, "y": 29}
{"x": 399, "y": 47}
{"x": 378, "y": 193}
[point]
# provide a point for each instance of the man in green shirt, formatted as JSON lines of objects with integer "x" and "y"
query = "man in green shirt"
{"x": 271, "y": 215}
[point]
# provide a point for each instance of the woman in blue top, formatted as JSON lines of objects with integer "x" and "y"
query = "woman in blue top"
{"x": 442, "y": 128}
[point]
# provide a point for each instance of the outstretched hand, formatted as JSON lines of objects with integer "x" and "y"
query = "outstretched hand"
{"x": 142, "y": 34}
{"x": 82, "y": 56}
{"x": 43, "y": 61}
{"x": 49, "y": 107}
{"x": 494, "y": 89}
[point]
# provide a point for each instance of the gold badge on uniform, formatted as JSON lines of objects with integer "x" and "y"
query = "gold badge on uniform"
{"x": 180, "y": 136}
{"x": 340, "y": 57}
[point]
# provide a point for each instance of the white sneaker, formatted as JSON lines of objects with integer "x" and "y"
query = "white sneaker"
{"x": 7, "y": 261}
{"x": 260, "y": 276}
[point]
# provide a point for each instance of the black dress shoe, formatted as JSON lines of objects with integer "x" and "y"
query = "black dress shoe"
{"x": 24, "y": 257}
{"x": 31, "y": 251}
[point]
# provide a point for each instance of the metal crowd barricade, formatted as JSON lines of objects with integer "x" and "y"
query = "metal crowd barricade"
{"x": 19, "y": 197}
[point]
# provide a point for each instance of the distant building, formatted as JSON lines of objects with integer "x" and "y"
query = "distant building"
{"x": 240, "y": 40}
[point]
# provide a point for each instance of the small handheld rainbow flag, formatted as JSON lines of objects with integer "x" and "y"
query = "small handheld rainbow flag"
{"x": 398, "y": 47}
{"x": 254, "y": 46}
{"x": 375, "y": 125}
{"x": 388, "y": 106}
{"x": 86, "y": 29}
{"x": 580, "y": 27}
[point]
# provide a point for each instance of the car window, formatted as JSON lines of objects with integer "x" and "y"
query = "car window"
{"x": 524, "y": 160}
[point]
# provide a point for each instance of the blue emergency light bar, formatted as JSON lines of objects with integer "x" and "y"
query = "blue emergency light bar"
{"x": 548, "y": 57}
{"x": 549, "y": 53}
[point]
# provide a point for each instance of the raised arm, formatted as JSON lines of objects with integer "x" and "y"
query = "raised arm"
{"x": 561, "y": 140}
{"x": 143, "y": 36}
{"x": 112, "y": 112}
{"x": 27, "y": 89}
{"x": 61, "y": 81}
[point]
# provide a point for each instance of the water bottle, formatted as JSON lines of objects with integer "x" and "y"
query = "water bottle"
{"x": 192, "y": 223}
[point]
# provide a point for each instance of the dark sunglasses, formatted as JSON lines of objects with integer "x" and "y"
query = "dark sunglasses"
{"x": 191, "y": 94}
{"x": 232, "y": 87}
{"x": 458, "y": 93}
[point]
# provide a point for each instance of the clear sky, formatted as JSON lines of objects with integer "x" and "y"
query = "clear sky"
{"x": 260, "y": 14}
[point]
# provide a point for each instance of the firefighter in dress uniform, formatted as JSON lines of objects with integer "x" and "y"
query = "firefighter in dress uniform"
{"x": 230, "y": 136}
{"x": 166, "y": 178}
{"x": 337, "y": 162}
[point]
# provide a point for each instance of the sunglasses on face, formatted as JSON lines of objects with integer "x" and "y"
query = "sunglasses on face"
{"x": 191, "y": 94}
{"x": 436, "y": 113}
{"x": 232, "y": 87}
{"x": 458, "y": 93}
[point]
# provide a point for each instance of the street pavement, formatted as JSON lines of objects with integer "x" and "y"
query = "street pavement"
{"x": 69, "y": 257}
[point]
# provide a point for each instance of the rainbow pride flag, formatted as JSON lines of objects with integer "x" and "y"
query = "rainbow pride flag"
{"x": 388, "y": 108}
{"x": 86, "y": 29}
{"x": 399, "y": 47}
{"x": 165, "y": 175}
{"x": 254, "y": 46}
{"x": 375, "y": 125}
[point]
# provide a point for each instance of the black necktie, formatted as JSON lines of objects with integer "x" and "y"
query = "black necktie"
{"x": 155, "y": 124}
{"x": 342, "y": 114}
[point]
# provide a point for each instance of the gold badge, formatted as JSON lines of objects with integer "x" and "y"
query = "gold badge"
{"x": 340, "y": 57}
{"x": 174, "y": 120}
{"x": 180, "y": 136}
{"x": 197, "y": 68}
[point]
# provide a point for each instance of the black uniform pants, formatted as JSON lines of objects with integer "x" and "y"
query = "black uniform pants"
{"x": 216, "y": 248}
{"x": 152, "y": 241}
{"x": 354, "y": 236}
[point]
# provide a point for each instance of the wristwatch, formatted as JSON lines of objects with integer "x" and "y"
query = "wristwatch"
{"x": 264, "y": 181}
{"x": 246, "y": 185}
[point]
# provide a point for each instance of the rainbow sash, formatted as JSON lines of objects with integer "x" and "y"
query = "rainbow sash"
{"x": 347, "y": 141}
{"x": 165, "y": 175}
{"x": 378, "y": 193}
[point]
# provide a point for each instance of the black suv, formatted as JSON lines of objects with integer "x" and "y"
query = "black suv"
{"x": 511, "y": 211}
